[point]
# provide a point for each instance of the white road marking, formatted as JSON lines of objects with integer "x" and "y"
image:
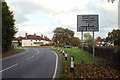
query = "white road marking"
{"x": 37, "y": 52}
{"x": 33, "y": 56}
{"x": 8, "y": 67}
{"x": 30, "y": 58}
{"x": 55, "y": 66}
{"x": 14, "y": 55}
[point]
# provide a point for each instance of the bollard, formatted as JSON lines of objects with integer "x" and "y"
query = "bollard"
{"x": 65, "y": 55}
{"x": 72, "y": 64}
{"x": 63, "y": 52}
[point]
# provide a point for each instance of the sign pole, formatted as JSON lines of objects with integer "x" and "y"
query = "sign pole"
{"x": 93, "y": 48}
{"x": 82, "y": 45}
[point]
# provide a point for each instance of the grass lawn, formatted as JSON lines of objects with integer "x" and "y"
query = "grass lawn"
{"x": 87, "y": 69}
{"x": 12, "y": 52}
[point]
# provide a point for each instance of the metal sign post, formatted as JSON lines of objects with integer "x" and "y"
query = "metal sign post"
{"x": 93, "y": 48}
{"x": 82, "y": 45}
{"x": 87, "y": 23}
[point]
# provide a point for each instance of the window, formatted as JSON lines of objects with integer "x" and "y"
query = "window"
{"x": 36, "y": 40}
{"x": 31, "y": 39}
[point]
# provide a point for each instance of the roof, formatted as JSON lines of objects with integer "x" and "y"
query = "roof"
{"x": 34, "y": 37}
{"x": 15, "y": 39}
{"x": 47, "y": 39}
{"x": 38, "y": 42}
{"x": 100, "y": 40}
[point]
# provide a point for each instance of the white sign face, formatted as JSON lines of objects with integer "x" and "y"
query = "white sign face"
{"x": 87, "y": 23}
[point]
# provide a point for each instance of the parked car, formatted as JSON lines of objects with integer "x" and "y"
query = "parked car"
{"x": 67, "y": 46}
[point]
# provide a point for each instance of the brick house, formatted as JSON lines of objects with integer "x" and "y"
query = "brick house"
{"x": 102, "y": 42}
{"x": 35, "y": 40}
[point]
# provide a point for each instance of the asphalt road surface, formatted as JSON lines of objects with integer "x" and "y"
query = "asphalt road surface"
{"x": 33, "y": 63}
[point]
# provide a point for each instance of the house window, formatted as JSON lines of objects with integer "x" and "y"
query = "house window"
{"x": 36, "y": 40}
{"x": 31, "y": 39}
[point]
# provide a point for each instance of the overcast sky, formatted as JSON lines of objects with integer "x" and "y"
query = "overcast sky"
{"x": 43, "y": 16}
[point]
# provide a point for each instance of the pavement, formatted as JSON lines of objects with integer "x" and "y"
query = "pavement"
{"x": 33, "y": 63}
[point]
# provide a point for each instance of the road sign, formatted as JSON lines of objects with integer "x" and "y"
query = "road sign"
{"x": 87, "y": 23}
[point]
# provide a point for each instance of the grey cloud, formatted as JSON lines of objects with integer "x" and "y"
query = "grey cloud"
{"x": 23, "y": 9}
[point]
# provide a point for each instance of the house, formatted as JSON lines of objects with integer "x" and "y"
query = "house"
{"x": 35, "y": 40}
{"x": 102, "y": 42}
{"x": 15, "y": 42}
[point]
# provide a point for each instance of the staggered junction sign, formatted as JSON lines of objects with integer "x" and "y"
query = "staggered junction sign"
{"x": 87, "y": 23}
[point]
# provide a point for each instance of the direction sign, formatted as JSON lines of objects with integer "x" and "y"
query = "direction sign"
{"x": 87, "y": 23}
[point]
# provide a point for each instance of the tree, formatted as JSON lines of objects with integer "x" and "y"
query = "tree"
{"x": 76, "y": 41}
{"x": 99, "y": 37}
{"x": 19, "y": 39}
{"x": 114, "y": 37}
{"x": 88, "y": 39}
{"x": 8, "y": 28}
{"x": 63, "y": 36}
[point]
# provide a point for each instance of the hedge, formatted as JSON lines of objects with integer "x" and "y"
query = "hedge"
{"x": 111, "y": 54}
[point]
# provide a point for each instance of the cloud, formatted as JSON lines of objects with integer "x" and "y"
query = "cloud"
{"x": 58, "y": 6}
{"x": 62, "y": 13}
{"x": 25, "y": 24}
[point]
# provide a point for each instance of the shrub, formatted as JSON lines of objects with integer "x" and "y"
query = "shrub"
{"x": 111, "y": 54}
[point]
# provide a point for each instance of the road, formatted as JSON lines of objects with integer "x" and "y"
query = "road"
{"x": 34, "y": 63}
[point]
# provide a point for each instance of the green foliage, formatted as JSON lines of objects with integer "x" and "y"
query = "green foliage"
{"x": 111, "y": 54}
{"x": 76, "y": 41}
{"x": 114, "y": 36}
{"x": 88, "y": 39}
{"x": 19, "y": 39}
{"x": 8, "y": 28}
{"x": 63, "y": 36}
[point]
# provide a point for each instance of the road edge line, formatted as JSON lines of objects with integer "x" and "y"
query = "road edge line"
{"x": 56, "y": 66}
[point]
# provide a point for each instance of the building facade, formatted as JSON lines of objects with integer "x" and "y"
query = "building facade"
{"x": 34, "y": 40}
{"x": 103, "y": 42}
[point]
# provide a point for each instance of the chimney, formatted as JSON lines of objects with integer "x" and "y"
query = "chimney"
{"x": 42, "y": 36}
{"x": 34, "y": 34}
{"x": 26, "y": 36}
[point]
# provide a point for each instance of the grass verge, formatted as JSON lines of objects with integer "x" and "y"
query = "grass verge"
{"x": 12, "y": 52}
{"x": 87, "y": 69}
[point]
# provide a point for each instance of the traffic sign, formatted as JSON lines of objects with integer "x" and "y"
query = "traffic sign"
{"x": 87, "y": 23}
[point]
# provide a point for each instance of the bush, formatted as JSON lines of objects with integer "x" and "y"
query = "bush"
{"x": 111, "y": 54}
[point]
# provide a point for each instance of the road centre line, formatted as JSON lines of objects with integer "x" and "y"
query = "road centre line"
{"x": 14, "y": 55}
{"x": 33, "y": 56}
{"x": 17, "y": 63}
{"x": 8, "y": 67}
{"x": 37, "y": 52}
{"x": 55, "y": 66}
{"x": 30, "y": 58}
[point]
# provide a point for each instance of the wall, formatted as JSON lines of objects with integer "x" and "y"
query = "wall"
{"x": 28, "y": 42}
